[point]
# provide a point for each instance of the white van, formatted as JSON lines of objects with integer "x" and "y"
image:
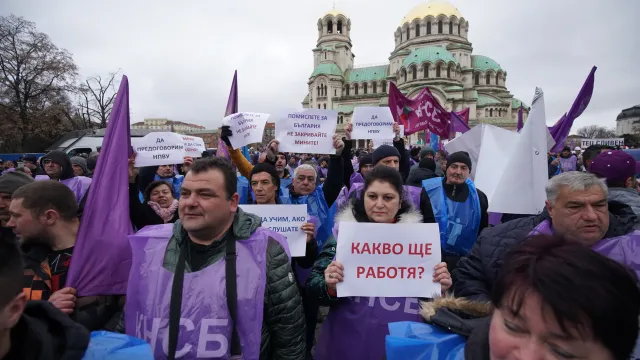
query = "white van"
{"x": 87, "y": 141}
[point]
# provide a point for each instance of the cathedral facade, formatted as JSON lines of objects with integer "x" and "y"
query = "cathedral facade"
{"x": 431, "y": 50}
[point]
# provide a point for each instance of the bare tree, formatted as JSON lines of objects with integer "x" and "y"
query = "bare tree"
{"x": 596, "y": 132}
{"x": 33, "y": 74}
{"x": 95, "y": 98}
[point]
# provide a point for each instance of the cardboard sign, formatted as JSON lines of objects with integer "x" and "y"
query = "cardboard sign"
{"x": 159, "y": 148}
{"x": 378, "y": 142}
{"x": 372, "y": 122}
{"x": 307, "y": 131}
{"x": 585, "y": 143}
{"x": 388, "y": 260}
{"x": 193, "y": 146}
{"x": 247, "y": 128}
{"x": 286, "y": 220}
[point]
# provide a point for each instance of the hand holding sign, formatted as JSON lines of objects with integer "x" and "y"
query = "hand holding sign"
{"x": 310, "y": 230}
{"x": 246, "y": 127}
{"x": 333, "y": 274}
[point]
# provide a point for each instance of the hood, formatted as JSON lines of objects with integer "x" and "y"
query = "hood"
{"x": 629, "y": 197}
{"x": 244, "y": 224}
{"x": 461, "y": 305}
{"x": 417, "y": 174}
{"x": 410, "y": 217}
{"x": 45, "y": 333}
{"x": 61, "y": 158}
{"x": 82, "y": 162}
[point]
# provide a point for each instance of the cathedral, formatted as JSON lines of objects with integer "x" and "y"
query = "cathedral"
{"x": 431, "y": 49}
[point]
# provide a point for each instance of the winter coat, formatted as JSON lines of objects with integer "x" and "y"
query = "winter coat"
{"x": 283, "y": 324}
{"x": 45, "y": 333}
{"x": 142, "y": 214}
{"x": 417, "y": 174}
{"x": 629, "y": 197}
{"x": 477, "y": 272}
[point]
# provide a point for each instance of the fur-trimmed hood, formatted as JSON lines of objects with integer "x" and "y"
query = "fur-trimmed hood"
{"x": 459, "y": 305}
{"x": 410, "y": 217}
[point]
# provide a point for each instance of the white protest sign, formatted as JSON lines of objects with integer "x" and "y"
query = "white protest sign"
{"x": 247, "y": 128}
{"x": 388, "y": 260}
{"x": 307, "y": 131}
{"x": 585, "y": 143}
{"x": 372, "y": 122}
{"x": 159, "y": 148}
{"x": 285, "y": 220}
{"x": 193, "y": 146}
{"x": 378, "y": 142}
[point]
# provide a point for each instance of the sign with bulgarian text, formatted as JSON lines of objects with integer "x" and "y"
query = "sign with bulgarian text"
{"x": 286, "y": 220}
{"x": 585, "y": 143}
{"x": 388, "y": 141}
{"x": 247, "y": 128}
{"x": 307, "y": 131}
{"x": 193, "y": 146}
{"x": 159, "y": 148}
{"x": 388, "y": 260}
{"x": 372, "y": 122}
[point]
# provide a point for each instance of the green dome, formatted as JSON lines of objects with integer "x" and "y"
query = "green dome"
{"x": 326, "y": 69}
{"x": 430, "y": 54}
{"x": 484, "y": 63}
{"x": 516, "y": 103}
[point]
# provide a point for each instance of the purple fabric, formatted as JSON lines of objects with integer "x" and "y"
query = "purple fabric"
{"x": 206, "y": 325}
{"x": 232, "y": 108}
{"x": 420, "y": 113}
{"x": 8, "y": 170}
{"x": 78, "y": 185}
{"x": 102, "y": 256}
{"x": 458, "y": 124}
{"x": 568, "y": 164}
{"x": 495, "y": 218}
{"x": 301, "y": 273}
{"x": 561, "y": 129}
{"x": 520, "y": 119}
{"x": 323, "y": 171}
{"x": 624, "y": 249}
{"x": 356, "y": 178}
{"x": 356, "y": 327}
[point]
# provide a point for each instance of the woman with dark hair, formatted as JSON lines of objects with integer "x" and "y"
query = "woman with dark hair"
{"x": 355, "y": 328}
{"x": 559, "y": 300}
{"x": 160, "y": 205}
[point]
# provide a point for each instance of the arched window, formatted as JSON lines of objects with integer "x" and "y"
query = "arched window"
{"x": 448, "y": 72}
{"x": 459, "y": 33}
{"x": 428, "y": 27}
{"x": 450, "y": 27}
{"x": 477, "y": 81}
{"x": 335, "y": 92}
{"x": 488, "y": 79}
{"x": 438, "y": 71}
{"x": 318, "y": 106}
{"x": 426, "y": 71}
{"x": 414, "y": 72}
{"x": 355, "y": 89}
{"x": 384, "y": 86}
{"x": 375, "y": 87}
{"x": 490, "y": 112}
{"x": 486, "y": 112}
{"x": 408, "y": 33}
{"x": 404, "y": 75}
{"x": 324, "y": 105}
{"x": 417, "y": 30}
{"x": 339, "y": 26}
{"x": 318, "y": 91}
{"x": 330, "y": 27}
{"x": 365, "y": 88}
{"x": 440, "y": 27}
{"x": 325, "y": 55}
{"x": 348, "y": 90}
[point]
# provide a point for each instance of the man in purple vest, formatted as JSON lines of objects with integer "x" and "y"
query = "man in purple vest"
{"x": 576, "y": 209}
{"x": 194, "y": 256}
{"x": 58, "y": 167}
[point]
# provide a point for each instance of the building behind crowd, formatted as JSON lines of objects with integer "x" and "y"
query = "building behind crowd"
{"x": 432, "y": 49}
{"x": 628, "y": 121}
{"x": 166, "y": 124}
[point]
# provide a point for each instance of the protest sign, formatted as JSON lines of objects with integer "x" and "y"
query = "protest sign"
{"x": 193, "y": 146}
{"x": 585, "y": 143}
{"x": 307, "y": 131}
{"x": 247, "y": 128}
{"x": 287, "y": 222}
{"x": 378, "y": 142}
{"x": 159, "y": 148}
{"x": 372, "y": 122}
{"x": 388, "y": 260}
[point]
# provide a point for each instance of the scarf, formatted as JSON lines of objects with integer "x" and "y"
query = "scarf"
{"x": 166, "y": 214}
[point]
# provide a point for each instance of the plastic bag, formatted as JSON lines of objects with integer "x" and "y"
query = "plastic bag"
{"x": 105, "y": 345}
{"x": 417, "y": 341}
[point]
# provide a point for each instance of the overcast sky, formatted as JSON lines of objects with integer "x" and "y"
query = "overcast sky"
{"x": 180, "y": 56}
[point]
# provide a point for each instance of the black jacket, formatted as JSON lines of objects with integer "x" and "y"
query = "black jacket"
{"x": 417, "y": 174}
{"x": 45, "y": 333}
{"x": 476, "y": 272}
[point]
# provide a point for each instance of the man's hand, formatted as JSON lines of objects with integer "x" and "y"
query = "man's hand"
{"x": 225, "y": 133}
{"x": 64, "y": 300}
{"x": 338, "y": 144}
{"x": 310, "y": 230}
{"x": 272, "y": 150}
{"x": 188, "y": 161}
{"x": 348, "y": 129}
{"x": 396, "y": 130}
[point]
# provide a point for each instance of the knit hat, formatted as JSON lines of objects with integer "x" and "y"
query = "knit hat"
{"x": 30, "y": 158}
{"x": 92, "y": 162}
{"x": 384, "y": 151}
{"x": 614, "y": 165}
{"x": 365, "y": 160}
{"x": 459, "y": 157}
{"x": 80, "y": 161}
{"x": 428, "y": 164}
{"x": 12, "y": 181}
{"x": 427, "y": 150}
{"x": 268, "y": 168}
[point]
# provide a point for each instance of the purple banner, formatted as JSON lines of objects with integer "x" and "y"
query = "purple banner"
{"x": 520, "y": 119}
{"x": 102, "y": 255}
{"x": 420, "y": 113}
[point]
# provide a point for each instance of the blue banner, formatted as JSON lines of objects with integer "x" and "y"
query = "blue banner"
{"x": 433, "y": 142}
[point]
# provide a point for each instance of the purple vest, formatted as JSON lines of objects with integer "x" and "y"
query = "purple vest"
{"x": 411, "y": 193}
{"x": 568, "y": 164}
{"x": 78, "y": 184}
{"x": 624, "y": 249}
{"x": 205, "y": 330}
{"x": 356, "y": 327}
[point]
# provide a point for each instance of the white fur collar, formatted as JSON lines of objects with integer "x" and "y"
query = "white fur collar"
{"x": 410, "y": 217}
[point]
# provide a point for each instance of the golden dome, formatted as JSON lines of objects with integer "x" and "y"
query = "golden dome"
{"x": 434, "y": 9}
{"x": 334, "y": 13}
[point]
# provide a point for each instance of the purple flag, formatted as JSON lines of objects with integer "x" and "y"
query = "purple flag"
{"x": 520, "y": 119}
{"x": 102, "y": 255}
{"x": 232, "y": 108}
{"x": 420, "y": 113}
{"x": 458, "y": 124}
{"x": 561, "y": 129}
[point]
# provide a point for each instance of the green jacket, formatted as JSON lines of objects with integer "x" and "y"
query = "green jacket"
{"x": 283, "y": 324}
{"x": 316, "y": 289}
